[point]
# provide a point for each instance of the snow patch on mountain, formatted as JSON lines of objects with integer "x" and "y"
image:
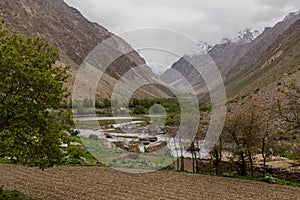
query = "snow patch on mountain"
{"x": 291, "y": 15}
{"x": 243, "y": 37}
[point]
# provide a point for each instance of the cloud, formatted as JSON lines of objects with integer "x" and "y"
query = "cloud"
{"x": 203, "y": 20}
{"x": 197, "y": 18}
{"x": 278, "y": 3}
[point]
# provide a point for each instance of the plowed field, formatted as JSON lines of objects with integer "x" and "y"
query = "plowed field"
{"x": 105, "y": 183}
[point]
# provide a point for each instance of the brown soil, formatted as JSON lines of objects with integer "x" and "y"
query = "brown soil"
{"x": 105, "y": 183}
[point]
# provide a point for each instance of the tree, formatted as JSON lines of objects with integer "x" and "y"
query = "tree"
{"x": 31, "y": 93}
{"x": 217, "y": 155}
{"x": 243, "y": 126}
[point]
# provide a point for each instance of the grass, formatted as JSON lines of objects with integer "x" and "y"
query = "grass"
{"x": 115, "y": 157}
{"x": 268, "y": 179}
{"x": 13, "y": 195}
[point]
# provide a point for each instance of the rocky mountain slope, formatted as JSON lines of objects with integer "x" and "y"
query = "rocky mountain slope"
{"x": 269, "y": 60}
{"x": 65, "y": 28}
{"x": 244, "y": 63}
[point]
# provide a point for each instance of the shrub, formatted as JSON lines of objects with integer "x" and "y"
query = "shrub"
{"x": 12, "y": 195}
{"x": 139, "y": 110}
{"x": 93, "y": 137}
{"x": 229, "y": 174}
{"x": 270, "y": 179}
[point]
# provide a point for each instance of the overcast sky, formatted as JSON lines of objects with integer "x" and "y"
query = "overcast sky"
{"x": 202, "y": 20}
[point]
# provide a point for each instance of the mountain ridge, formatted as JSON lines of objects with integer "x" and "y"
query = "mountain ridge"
{"x": 236, "y": 62}
{"x": 66, "y": 28}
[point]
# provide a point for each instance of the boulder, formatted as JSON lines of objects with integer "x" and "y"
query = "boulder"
{"x": 75, "y": 144}
{"x": 153, "y": 138}
{"x": 131, "y": 147}
{"x": 153, "y": 130}
{"x": 156, "y": 146}
{"x": 148, "y": 139}
{"x": 144, "y": 139}
{"x": 107, "y": 135}
{"x": 162, "y": 132}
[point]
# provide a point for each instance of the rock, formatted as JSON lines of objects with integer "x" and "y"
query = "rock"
{"x": 153, "y": 139}
{"x": 148, "y": 139}
{"x": 107, "y": 135}
{"x": 119, "y": 144}
{"x": 64, "y": 145}
{"x": 146, "y": 131}
{"x": 75, "y": 144}
{"x": 162, "y": 132}
{"x": 143, "y": 139}
{"x": 153, "y": 130}
{"x": 156, "y": 146}
{"x": 134, "y": 148}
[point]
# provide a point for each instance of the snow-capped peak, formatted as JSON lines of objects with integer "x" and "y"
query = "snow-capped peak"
{"x": 243, "y": 37}
{"x": 291, "y": 15}
{"x": 246, "y": 36}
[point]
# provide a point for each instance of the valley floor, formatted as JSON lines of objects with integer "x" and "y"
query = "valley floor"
{"x": 105, "y": 183}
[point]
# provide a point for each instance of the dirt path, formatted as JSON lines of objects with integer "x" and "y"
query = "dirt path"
{"x": 105, "y": 183}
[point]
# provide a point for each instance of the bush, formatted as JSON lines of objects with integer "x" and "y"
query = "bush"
{"x": 93, "y": 137}
{"x": 139, "y": 110}
{"x": 99, "y": 104}
{"x": 229, "y": 174}
{"x": 173, "y": 119}
{"x": 87, "y": 103}
{"x": 71, "y": 161}
{"x": 270, "y": 179}
{"x": 205, "y": 107}
{"x": 12, "y": 195}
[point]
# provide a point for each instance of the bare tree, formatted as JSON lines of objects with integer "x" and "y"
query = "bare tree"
{"x": 243, "y": 126}
{"x": 217, "y": 155}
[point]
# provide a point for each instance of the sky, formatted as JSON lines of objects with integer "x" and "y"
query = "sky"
{"x": 198, "y": 20}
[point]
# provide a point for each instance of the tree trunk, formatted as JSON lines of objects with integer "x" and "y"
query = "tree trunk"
{"x": 251, "y": 164}
{"x": 197, "y": 165}
{"x": 199, "y": 157}
{"x": 243, "y": 165}
{"x": 193, "y": 158}
{"x": 182, "y": 163}
{"x": 263, "y": 153}
{"x": 177, "y": 160}
{"x": 217, "y": 161}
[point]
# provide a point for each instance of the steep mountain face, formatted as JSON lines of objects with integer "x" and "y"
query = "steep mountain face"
{"x": 228, "y": 53}
{"x": 260, "y": 68}
{"x": 225, "y": 54}
{"x": 250, "y": 57}
{"x": 65, "y": 28}
{"x": 261, "y": 44}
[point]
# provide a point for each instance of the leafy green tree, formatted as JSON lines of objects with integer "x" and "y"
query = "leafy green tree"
{"x": 31, "y": 89}
{"x": 139, "y": 110}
